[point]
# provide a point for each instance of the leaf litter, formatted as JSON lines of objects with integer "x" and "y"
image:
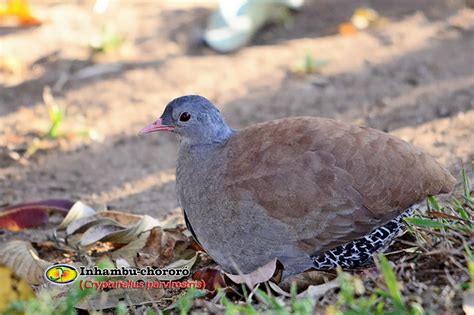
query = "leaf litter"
{"x": 140, "y": 241}
{"x": 23, "y": 259}
{"x": 85, "y": 236}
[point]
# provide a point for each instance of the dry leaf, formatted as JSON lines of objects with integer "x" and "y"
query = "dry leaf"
{"x": 17, "y": 220}
{"x": 180, "y": 264}
{"x": 212, "y": 277}
{"x": 154, "y": 241}
{"x": 121, "y": 219}
{"x": 13, "y": 288}
{"x": 117, "y": 234}
{"x": 18, "y": 217}
{"x": 171, "y": 240}
{"x": 127, "y": 235}
{"x": 260, "y": 275}
{"x": 78, "y": 210}
{"x": 129, "y": 251}
{"x": 162, "y": 246}
{"x": 315, "y": 291}
{"x": 277, "y": 289}
{"x": 98, "y": 233}
{"x": 23, "y": 259}
{"x": 306, "y": 279}
{"x": 82, "y": 224}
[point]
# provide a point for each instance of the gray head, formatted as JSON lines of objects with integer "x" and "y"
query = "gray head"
{"x": 194, "y": 118}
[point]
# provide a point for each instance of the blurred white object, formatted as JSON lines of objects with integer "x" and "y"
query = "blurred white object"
{"x": 100, "y": 6}
{"x": 234, "y": 24}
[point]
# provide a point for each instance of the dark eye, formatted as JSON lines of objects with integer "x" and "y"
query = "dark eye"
{"x": 185, "y": 116}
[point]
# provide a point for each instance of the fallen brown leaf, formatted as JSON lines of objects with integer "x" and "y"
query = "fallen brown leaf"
{"x": 98, "y": 233}
{"x": 164, "y": 245}
{"x": 306, "y": 279}
{"x": 213, "y": 278}
{"x": 315, "y": 291}
{"x": 260, "y": 275}
{"x": 23, "y": 259}
{"x": 129, "y": 234}
{"x": 78, "y": 210}
{"x": 129, "y": 252}
{"x": 180, "y": 264}
{"x": 25, "y": 215}
{"x": 105, "y": 226}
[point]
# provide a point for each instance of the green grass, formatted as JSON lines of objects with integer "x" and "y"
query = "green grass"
{"x": 107, "y": 41}
{"x": 56, "y": 113}
{"x": 309, "y": 64}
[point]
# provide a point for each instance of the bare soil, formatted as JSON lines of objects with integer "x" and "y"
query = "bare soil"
{"x": 412, "y": 77}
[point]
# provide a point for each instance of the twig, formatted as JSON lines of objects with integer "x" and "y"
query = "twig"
{"x": 461, "y": 267}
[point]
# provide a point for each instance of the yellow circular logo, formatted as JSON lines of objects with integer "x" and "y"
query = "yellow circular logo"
{"x": 61, "y": 274}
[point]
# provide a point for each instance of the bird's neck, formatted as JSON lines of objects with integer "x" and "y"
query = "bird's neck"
{"x": 207, "y": 141}
{"x": 192, "y": 154}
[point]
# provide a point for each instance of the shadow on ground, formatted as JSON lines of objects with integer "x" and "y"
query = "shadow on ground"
{"x": 411, "y": 90}
{"x": 185, "y": 26}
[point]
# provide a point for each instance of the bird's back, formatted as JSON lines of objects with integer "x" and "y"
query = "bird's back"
{"x": 351, "y": 177}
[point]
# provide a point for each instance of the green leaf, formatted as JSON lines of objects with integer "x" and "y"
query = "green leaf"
{"x": 459, "y": 209}
{"x": 249, "y": 310}
{"x": 391, "y": 282}
{"x": 433, "y": 203}
{"x": 121, "y": 309}
{"x": 186, "y": 302}
{"x": 229, "y": 307}
{"x": 426, "y": 223}
{"x": 466, "y": 186}
{"x": 380, "y": 307}
{"x": 56, "y": 116}
{"x": 264, "y": 297}
{"x": 269, "y": 300}
{"x": 302, "y": 306}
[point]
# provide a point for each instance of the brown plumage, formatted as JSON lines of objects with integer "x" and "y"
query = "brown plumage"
{"x": 368, "y": 177}
{"x": 291, "y": 188}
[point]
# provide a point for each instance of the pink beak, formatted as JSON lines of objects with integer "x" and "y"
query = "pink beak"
{"x": 156, "y": 126}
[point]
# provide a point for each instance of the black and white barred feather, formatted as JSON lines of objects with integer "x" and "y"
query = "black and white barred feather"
{"x": 358, "y": 253}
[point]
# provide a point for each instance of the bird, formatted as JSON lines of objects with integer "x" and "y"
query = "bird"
{"x": 310, "y": 192}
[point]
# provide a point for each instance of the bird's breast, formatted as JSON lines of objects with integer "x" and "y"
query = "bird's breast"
{"x": 196, "y": 179}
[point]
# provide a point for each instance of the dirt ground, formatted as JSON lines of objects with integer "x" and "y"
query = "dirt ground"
{"x": 412, "y": 77}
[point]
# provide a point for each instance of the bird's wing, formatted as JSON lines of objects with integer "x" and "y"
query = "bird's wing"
{"x": 330, "y": 182}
